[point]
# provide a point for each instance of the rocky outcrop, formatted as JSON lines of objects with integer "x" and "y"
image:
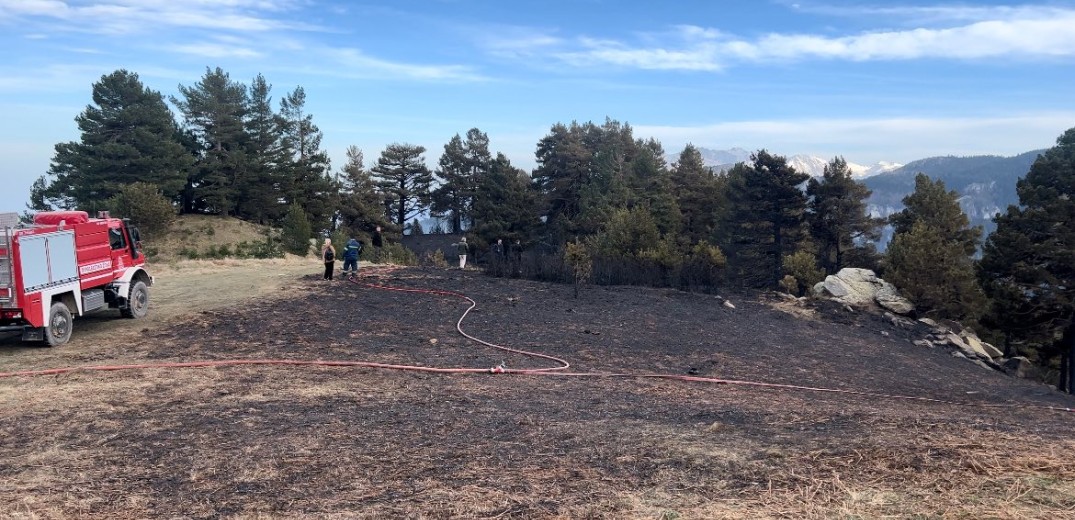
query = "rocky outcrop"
{"x": 862, "y": 288}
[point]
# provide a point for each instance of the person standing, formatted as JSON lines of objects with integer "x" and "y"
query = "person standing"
{"x": 498, "y": 259}
{"x": 378, "y": 242}
{"x": 350, "y": 258}
{"x": 517, "y": 258}
{"x": 461, "y": 250}
{"x": 328, "y": 254}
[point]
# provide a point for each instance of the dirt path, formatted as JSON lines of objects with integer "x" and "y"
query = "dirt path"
{"x": 180, "y": 289}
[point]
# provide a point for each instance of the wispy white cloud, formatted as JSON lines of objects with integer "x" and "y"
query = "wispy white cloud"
{"x": 872, "y": 140}
{"x": 971, "y": 33}
{"x": 216, "y": 50}
{"x": 350, "y": 62}
{"x": 930, "y": 14}
{"x": 517, "y": 42}
{"x": 144, "y": 16}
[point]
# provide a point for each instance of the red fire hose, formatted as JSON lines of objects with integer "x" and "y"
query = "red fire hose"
{"x": 559, "y": 370}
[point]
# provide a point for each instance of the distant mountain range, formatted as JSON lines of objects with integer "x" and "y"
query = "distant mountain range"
{"x": 985, "y": 183}
{"x": 811, "y": 164}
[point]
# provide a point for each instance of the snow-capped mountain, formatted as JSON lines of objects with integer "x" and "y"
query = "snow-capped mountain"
{"x": 810, "y": 164}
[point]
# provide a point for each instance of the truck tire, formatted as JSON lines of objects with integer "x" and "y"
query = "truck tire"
{"x": 137, "y": 301}
{"x": 58, "y": 329}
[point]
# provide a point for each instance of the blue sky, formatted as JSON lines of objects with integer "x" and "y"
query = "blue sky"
{"x": 882, "y": 81}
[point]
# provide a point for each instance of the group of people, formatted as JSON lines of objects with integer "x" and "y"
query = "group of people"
{"x": 351, "y": 252}
{"x": 501, "y": 256}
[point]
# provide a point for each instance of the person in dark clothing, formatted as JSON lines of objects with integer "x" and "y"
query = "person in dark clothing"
{"x": 498, "y": 260}
{"x": 350, "y": 258}
{"x": 516, "y": 258}
{"x": 378, "y": 240}
{"x": 328, "y": 254}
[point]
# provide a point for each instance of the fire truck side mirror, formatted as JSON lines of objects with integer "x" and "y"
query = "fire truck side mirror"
{"x": 136, "y": 241}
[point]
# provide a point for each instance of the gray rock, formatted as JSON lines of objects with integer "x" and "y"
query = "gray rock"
{"x": 819, "y": 289}
{"x": 957, "y": 342}
{"x": 923, "y": 343}
{"x": 928, "y": 322}
{"x": 888, "y": 297}
{"x": 958, "y": 354}
{"x": 993, "y": 352}
{"x": 1020, "y": 366}
{"x": 862, "y": 288}
{"x": 972, "y": 342}
{"x": 835, "y": 287}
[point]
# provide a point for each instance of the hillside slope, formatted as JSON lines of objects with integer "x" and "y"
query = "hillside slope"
{"x": 197, "y": 235}
{"x": 365, "y": 443}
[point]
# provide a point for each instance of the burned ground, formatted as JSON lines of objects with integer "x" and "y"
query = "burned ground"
{"x": 347, "y": 442}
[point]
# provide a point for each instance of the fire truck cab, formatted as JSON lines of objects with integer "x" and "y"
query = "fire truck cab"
{"x": 66, "y": 264}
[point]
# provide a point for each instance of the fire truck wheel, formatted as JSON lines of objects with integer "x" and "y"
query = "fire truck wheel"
{"x": 58, "y": 330}
{"x": 137, "y": 301}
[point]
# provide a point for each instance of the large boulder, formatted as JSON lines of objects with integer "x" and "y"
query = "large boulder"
{"x": 1020, "y": 366}
{"x": 862, "y": 288}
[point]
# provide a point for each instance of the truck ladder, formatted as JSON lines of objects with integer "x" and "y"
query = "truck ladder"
{"x": 8, "y": 221}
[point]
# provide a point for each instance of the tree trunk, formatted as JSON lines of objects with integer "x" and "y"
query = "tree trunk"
{"x": 1063, "y": 385}
{"x": 1070, "y": 337}
{"x": 778, "y": 246}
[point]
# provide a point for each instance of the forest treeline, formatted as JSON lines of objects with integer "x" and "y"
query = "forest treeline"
{"x": 602, "y": 202}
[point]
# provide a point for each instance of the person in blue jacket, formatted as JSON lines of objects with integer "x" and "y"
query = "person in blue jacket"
{"x": 350, "y": 258}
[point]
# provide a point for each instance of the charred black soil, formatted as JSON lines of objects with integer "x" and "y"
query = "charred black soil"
{"x": 350, "y": 442}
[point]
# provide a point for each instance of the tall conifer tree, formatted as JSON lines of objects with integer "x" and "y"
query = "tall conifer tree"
{"x": 404, "y": 180}
{"x": 1028, "y": 263}
{"x": 766, "y": 219}
{"x": 837, "y": 215}
{"x": 128, "y": 135}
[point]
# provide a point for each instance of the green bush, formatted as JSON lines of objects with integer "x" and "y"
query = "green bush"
{"x": 435, "y": 259}
{"x": 143, "y": 203}
{"x": 802, "y": 266}
{"x": 394, "y": 253}
{"x": 190, "y": 253}
{"x": 296, "y": 231}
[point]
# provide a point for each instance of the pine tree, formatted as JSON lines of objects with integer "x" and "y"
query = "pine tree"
{"x": 308, "y": 181}
{"x": 404, "y": 180}
{"x": 295, "y": 233}
{"x": 562, "y": 174}
{"x": 929, "y": 258}
{"x": 766, "y": 218}
{"x": 214, "y": 110}
{"x": 505, "y": 203}
{"x": 361, "y": 206}
{"x": 1028, "y": 263}
{"x": 128, "y": 135}
{"x": 651, "y": 186}
{"x": 934, "y": 273}
{"x": 837, "y": 216}
{"x": 460, "y": 167}
{"x": 261, "y": 190}
{"x": 695, "y": 189}
{"x": 932, "y": 203}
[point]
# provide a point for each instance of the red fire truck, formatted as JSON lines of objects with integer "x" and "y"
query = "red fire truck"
{"x": 67, "y": 264}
